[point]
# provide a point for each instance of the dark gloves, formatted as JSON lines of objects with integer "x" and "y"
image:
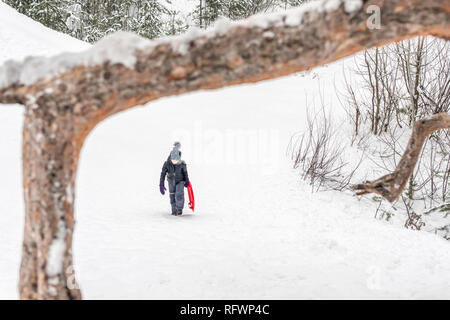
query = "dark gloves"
{"x": 162, "y": 189}
{"x": 186, "y": 184}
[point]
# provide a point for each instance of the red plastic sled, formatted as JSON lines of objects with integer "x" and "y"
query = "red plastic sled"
{"x": 191, "y": 196}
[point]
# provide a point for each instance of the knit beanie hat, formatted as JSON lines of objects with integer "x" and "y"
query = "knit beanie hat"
{"x": 175, "y": 154}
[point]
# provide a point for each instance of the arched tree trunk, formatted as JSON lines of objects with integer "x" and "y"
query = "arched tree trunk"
{"x": 50, "y": 155}
{"x": 60, "y": 112}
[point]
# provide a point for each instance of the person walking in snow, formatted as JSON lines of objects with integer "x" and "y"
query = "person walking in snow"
{"x": 177, "y": 178}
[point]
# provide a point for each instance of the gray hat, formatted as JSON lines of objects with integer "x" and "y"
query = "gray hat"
{"x": 175, "y": 154}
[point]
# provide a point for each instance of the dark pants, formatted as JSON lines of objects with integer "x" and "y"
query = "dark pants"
{"x": 176, "y": 195}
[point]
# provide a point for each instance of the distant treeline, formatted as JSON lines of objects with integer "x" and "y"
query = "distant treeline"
{"x": 90, "y": 20}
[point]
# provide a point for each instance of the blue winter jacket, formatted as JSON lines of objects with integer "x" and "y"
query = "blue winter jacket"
{"x": 177, "y": 172}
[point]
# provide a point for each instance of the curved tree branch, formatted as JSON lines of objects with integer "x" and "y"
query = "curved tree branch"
{"x": 391, "y": 185}
{"x": 259, "y": 49}
{"x": 65, "y": 97}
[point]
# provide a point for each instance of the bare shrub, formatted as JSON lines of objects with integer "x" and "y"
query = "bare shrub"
{"x": 397, "y": 85}
{"x": 318, "y": 151}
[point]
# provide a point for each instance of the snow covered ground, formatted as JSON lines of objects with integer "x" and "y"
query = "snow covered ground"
{"x": 257, "y": 233}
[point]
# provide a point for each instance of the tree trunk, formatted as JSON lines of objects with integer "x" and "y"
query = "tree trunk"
{"x": 50, "y": 155}
{"x": 61, "y": 112}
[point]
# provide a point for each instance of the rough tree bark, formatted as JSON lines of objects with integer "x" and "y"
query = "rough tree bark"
{"x": 50, "y": 153}
{"x": 59, "y": 113}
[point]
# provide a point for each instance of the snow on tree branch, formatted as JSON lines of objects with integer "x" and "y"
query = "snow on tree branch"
{"x": 334, "y": 20}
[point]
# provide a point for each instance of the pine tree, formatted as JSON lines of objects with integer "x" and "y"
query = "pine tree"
{"x": 207, "y": 11}
{"x": 90, "y": 20}
{"x": 238, "y": 9}
{"x": 100, "y": 18}
{"x": 74, "y": 21}
{"x": 175, "y": 24}
{"x": 246, "y": 8}
{"x": 292, "y": 3}
{"x": 146, "y": 18}
{"x": 213, "y": 10}
{"x": 51, "y": 13}
{"x": 20, "y": 5}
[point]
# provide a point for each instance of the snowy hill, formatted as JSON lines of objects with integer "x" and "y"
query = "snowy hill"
{"x": 258, "y": 232}
{"x": 21, "y": 36}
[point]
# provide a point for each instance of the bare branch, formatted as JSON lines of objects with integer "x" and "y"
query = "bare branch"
{"x": 391, "y": 185}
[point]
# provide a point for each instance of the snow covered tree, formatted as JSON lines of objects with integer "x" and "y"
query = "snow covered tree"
{"x": 240, "y": 9}
{"x": 51, "y": 13}
{"x": 74, "y": 21}
{"x": 286, "y": 4}
{"x": 144, "y": 17}
{"x": 207, "y": 11}
{"x": 93, "y": 19}
{"x": 212, "y": 11}
{"x": 175, "y": 24}
{"x": 90, "y": 20}
{"x": 20, "y": 5}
